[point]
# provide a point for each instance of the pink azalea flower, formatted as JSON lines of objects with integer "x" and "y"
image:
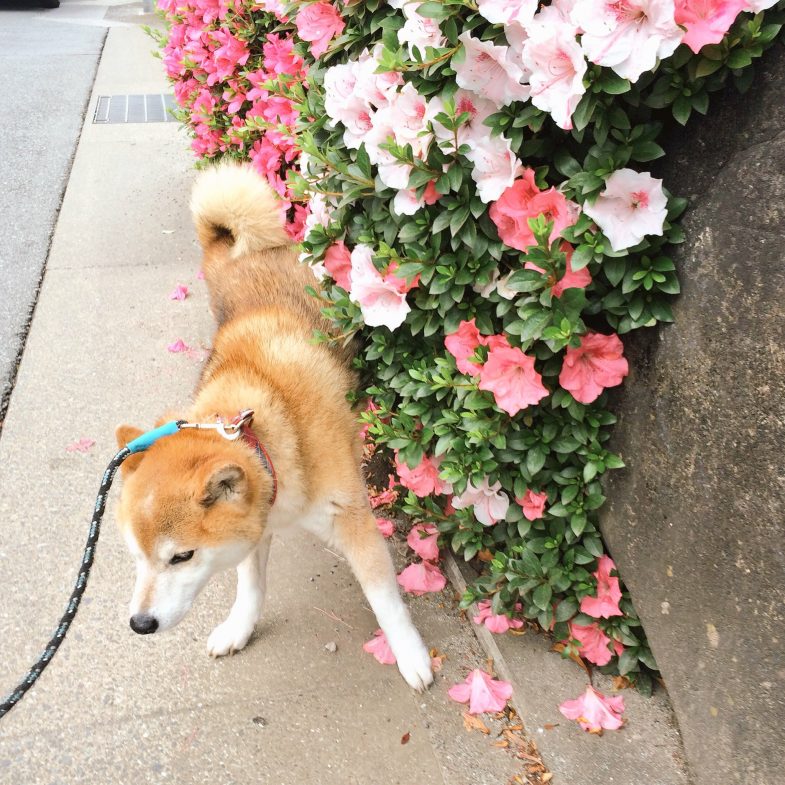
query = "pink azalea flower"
{"x": 628, "y": 36}
{"x": 421, "y": 578}
{"x": 706, "y": 21}
{"x": 486, "y": 69}
{"x": 490, "y": 503}
{"x": 594, "y": 711}
{"x": 279, "y": 56}
{"x": 502, "y": 12}
{"x": 180, "y": 292}
{"x": 423, "y": 540}
{"x": 579, "y": 279}
{"x": 418, "y": 31}
{"x": 594, "y": 365}
{"x": 462, "y": 345}
{"x": 380, "y": 648}
{"x": 481, "y": 692}
{"x": 385, "y": 526}
{"x": 593, "y": 643}
{"x": 522, "y": 201}
{"x": 632, "y": 205}
{"x": 494, "y": 166}
{"x": 318, "y": 23}
{"x": 473, "y": 129}
{"x": 606, "y": 603}
{"x": 81, "y": 445}
{"x": 380, "y": 299}
{"x": 423, "y": 480}
{"x": 557, "y": 66}
{"x": 497, "y": 623}
{"x": 533, "y": 504}
{"x": 338, "y": 262}
{"x": 178, "y": 346}
{"x": 509, "y": 374}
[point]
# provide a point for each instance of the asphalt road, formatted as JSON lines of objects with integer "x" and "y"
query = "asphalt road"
{"x": 48, "y": 61}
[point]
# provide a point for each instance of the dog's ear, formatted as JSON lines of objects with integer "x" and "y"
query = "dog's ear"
{"x": 227, "y": 482}
{"x": 125, "y": 434}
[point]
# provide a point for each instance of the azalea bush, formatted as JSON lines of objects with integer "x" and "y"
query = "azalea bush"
{"x": 470, "y": 179}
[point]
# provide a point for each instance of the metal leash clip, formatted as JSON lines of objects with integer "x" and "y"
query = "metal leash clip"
{"x": 229, "y": 430}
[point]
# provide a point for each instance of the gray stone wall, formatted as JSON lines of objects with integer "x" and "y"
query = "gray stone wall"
{"x": 697, "y": 519}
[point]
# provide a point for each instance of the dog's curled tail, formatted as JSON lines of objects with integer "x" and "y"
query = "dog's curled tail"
{"x": 232, "y": 204}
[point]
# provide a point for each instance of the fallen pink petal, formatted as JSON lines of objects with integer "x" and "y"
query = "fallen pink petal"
{"x": 180, "y": 292}
{"x": 380, "y": 648}
{"x": 178, "y": 346}
{"x": 481, "y": 692}
{"x": 421, "y": 578}
{"x": 385, "y": 526}
{"x": 422, "y": 540}
{"x": 200, "y": 275}
{"x": 594, "y": 711}
{"x": 81, "y": 445}
{"x": 498, "y": 623}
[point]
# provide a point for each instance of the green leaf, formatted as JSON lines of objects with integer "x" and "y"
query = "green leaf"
{"x": 542, "y": 596}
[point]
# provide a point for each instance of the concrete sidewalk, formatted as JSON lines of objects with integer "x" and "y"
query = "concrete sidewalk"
{"x": 115, "y": 708}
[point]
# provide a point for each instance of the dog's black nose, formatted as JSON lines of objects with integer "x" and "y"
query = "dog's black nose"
{"x": 143, "y": 624}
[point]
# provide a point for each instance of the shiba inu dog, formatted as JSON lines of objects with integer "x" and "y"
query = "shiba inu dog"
{"x": 196, "y": 503}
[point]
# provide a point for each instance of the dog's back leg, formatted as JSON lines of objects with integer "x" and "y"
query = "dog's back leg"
{"x": 355, "y": 533}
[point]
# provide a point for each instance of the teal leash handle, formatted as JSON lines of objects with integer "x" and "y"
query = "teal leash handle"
{"x": 140, "y": 444}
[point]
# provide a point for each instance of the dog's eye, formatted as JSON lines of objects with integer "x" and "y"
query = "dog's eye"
{"x": 180, "y": 557}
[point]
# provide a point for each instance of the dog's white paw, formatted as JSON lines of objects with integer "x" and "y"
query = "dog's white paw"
{"x": 414, "y": 663}
{"x": 229, "y": 637}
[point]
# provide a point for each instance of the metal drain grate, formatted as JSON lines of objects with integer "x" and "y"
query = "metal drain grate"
{"x": 153, "y": 108}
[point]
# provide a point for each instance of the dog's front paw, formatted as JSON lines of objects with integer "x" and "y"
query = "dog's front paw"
{"x": 414, "y": 663}
{"x": 229, "y": 637}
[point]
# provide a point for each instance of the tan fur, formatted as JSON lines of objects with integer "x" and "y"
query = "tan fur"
{"x": 195, "y": 490}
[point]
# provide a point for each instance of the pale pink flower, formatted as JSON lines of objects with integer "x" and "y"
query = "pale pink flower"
{"x": 180, "y": 292}
{"x": 418, "y": 31}
{"x": 628, "y": 36}
{"x": 385, "y": 526}
{"x": 606, "y": 603}
{"x": 594, "y": 711}
{"x": 338, "y": 262}
{"x": 318, "y": 23}
{"x": 509, "y": 374}
{"x": 594, "y": 643}
{"x": 422, "y": 578}
{"x": 178, "y": 346}
{"x": 495, "y": 166}
{"x": 407, "y": 202}
{"x": 462, "y": 345}
{"x": 490, "y": 502}
{"x": 481, "y": 692}
{"x": 380, "y": 648}
{"x": 557, "y": 67}
{"x": 759, "y": 5}
{"x": 81, "y": 445}
{"x": 423, "y": 540}
{"x": 522, "y": 201}
{"x": 533, "y": 504}
{"x": 594, "y": 365}
{"x": 487, "y": 70}
{"x": 423, "y": 480}
{"x": 380, "y": 300}
{"x": 502, "y": 12}
{"x": 632, "y": 205}
{"x": 473, "y": 129}
{"x": 706, "y": 21}
{"x": 497, "y": 623}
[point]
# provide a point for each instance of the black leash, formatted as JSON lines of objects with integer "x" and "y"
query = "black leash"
{"x": 230, "y": 431}
{"x": 79, "y": 588}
